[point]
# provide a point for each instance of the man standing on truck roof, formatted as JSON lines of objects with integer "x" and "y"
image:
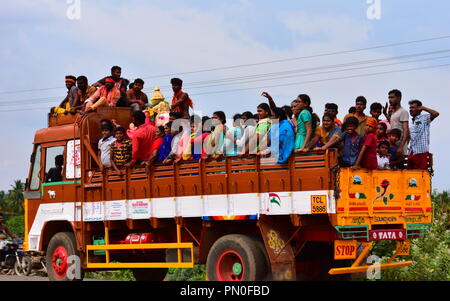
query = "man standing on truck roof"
{"x": 399, "y": 119}
{"x": 107, "y": 95}
{"x": 71, "y": 101}
{"x": 119, "y": 82}
{"x": 420, "y": 134}
{"x": 360, "y": 106}
{"x": 180, "y": 101}
{"x": 142, "y": 139}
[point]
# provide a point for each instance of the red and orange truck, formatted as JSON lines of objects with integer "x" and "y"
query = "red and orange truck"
{"x": 244, "y": 219}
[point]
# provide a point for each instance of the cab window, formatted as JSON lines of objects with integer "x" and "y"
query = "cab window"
{"x": 54, "y": 162}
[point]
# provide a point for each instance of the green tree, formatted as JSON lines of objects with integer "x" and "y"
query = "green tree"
{"x": 14, "y": 198}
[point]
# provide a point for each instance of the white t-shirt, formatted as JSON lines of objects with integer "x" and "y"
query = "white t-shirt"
{"x": 104, "y": 145}
{"x": 399, "y": 116}
{"x": 383, "y": 162}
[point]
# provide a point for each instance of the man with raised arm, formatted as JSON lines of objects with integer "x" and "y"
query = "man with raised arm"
{"x": 420, "y": 134}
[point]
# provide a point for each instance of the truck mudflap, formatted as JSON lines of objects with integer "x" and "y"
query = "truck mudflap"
{"x": 347, "y": 249}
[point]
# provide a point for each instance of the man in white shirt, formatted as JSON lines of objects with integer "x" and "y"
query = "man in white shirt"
{"x": 399, "y": 120}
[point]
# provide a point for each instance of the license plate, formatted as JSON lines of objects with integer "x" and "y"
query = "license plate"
{"x": 318, "y": 204}
{"x": 403, "y": 247}
{"x": 345, "y": 249}
{"x": 397, "y": 234}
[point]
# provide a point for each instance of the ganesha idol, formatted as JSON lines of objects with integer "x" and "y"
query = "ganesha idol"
{"x": 159, "y": 109}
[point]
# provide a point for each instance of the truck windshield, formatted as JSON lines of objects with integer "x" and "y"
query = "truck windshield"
{"x": 36, "y": 161}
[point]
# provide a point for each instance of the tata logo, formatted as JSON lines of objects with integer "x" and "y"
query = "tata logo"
{"x": 388, "y": 234}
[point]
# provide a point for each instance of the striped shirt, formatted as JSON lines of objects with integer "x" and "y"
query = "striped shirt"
{"x": 420, "y": 134}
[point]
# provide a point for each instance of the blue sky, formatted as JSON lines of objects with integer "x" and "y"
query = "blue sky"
{"x": 39, "y": 45}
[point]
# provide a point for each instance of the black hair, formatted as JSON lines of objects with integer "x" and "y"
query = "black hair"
{"x": 376, "y": 106}
{"x": 130, "y": 86}
{"x": 305, "y": 98}
{"x": 114, "y": 68}
{"x": 139, "y": 81}
{"x": 82, "y": 78}
{"x": 248, "y": 115}
{"x": 265, "y": 107}
{"x": 383, "y": 143}
{"x": 169, "y": 124}
{"x": 119, "y": 129}
{"x": 280, "y": 113}
{"x": 71, "y": 77}
{"x": 176, "y": 115}
{"x": 59, "y": 160}
{"x": 361, "y": 99}
{"x": 415, "y": 102}
{"x": 161, "y": 129}
{"x": 256, "y": 116}
{"x": 329, "y": 116}
{"x": 383, "y": 125}
{"x": 221, "y": 115}
{"x": 396, "y": 92}
{"x": 237, "y": 116}
{"x": 139, "y": 116}
{"x": 287, "y": 110}
{"x": 176, "y": 81}
{"x": 331, "y": 106}
{"x": 350, "y": 120}
{"x": 352, "y": 110}
{"x": 107, "y": 126}
{"x": 396, "y": 132}
{"x": 105, "y": 121}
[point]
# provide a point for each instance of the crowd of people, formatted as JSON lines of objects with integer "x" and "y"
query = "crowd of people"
{"x": 167, "y": 133}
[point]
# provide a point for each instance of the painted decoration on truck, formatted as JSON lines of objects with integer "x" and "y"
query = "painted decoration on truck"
{"x": 382, "y": 191}
{"x": 275, "y": 199}
{"x": 357, "y": 180}
{"x": 139, "y": 209}
{"x": 93, "y": 212}
{"x": 412, "y": 183}
{"x": 116, "y": 210}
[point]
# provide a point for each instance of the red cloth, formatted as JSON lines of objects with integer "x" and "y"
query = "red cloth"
{"x": 419, "y": 161}
{"x": 175, "y": 100}
{"x": 142, "y": 138}
{"x": 156, "y": 144}
{"x": 369, "y": 160}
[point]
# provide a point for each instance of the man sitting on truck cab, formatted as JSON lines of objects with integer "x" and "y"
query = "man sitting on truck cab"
{"x": 84, "y": 89}
{"x": 120, "y": 83}
{"x": 107, "y": 95}
{"x": 70, "y": 101}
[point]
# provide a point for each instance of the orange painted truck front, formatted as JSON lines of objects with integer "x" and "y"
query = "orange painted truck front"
{"x": 245, "y": 218}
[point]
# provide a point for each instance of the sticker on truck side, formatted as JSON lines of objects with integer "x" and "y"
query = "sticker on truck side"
{"x": 345, "y": 249}
{"x": 318, "y": 204}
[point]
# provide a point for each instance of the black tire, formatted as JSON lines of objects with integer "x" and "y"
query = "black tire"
{"x": 24, "y": 268}
{"x": 60, "y": 248}
{"x": 262, "y": 248}
{"x": 236, "y": 257}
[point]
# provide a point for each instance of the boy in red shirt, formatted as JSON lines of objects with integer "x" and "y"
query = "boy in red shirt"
{"x": 368, "y": 156}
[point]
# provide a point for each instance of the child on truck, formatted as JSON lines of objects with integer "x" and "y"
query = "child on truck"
{"x": 396, "y": 160}
{"x": 351, "y": 140}
{"x": 383, "y": 157}
{"x": 121, "y": 150}
{"x": 368, "y": 155}
{"x": 104, "y": 146}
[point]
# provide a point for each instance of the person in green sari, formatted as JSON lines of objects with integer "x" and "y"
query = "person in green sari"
{"x": 305, "y": 124}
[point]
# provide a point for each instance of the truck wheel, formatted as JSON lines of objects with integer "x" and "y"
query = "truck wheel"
{"x": 236, "y": 257}
{"x": 59, "y": 251}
